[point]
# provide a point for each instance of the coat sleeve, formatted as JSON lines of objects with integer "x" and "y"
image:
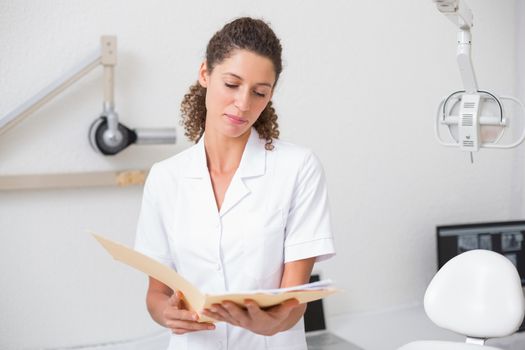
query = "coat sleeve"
{"x": 151, "y": 237}
{"x": 308, "y": 231}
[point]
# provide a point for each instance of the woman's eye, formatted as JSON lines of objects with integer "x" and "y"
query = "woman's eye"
{"x": 234, "y": 86}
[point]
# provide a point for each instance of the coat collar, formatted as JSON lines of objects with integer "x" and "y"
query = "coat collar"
{"x": 253, "y": 161}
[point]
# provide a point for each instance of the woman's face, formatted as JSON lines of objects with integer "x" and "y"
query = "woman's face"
{"x": 238, "y": 90}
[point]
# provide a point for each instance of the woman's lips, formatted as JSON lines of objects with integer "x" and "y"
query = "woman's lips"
{"x": 235, "y": 119}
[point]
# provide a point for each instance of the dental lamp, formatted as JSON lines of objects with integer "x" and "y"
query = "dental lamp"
{"x": 106, "y": 134}
{"x": 474, "y": 118}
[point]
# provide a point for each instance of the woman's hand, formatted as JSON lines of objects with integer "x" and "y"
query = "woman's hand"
{"x": 252, "y": 317}
{"x": 179, "y": 319}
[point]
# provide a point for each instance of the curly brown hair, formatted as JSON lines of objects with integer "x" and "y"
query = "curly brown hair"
{"x": 243, "y": 33}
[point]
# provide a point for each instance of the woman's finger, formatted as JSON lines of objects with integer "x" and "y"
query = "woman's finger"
{"x": 180, "y": 331}
{"x": 254, "y": 311}
{"x": 236, "y": 313}
{"x": 173, "y": 313}
{"x": 214, "y": 315}
{"x": 189, "y": 325}
{"x": 183, "y": 330}
{"x": 283, "y": 309}
{"x": 224, "y": 315}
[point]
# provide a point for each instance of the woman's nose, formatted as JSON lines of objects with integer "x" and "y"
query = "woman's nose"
{"x": 242, "y": 100}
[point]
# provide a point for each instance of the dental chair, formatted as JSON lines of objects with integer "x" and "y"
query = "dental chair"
{"x": 477, "y": 294}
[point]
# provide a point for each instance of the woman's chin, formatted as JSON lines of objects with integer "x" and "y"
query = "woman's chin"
{"x": 236, "y": 131}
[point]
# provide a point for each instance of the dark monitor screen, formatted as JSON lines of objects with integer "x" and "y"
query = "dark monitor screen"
{"x": 314, "y": 316}
{"x": 505, "y": 238}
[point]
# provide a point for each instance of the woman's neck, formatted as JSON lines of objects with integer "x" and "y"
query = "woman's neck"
{"x": 223, "y": 154}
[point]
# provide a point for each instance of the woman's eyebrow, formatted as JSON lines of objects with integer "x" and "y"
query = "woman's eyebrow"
{"x": 240, "y": 78}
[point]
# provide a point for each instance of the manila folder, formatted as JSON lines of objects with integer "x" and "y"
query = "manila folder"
{"x": 193, "y": 297}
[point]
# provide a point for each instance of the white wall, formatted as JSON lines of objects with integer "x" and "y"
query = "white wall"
{"x": 518, "y": 173}
{"x": 360, "y": 87}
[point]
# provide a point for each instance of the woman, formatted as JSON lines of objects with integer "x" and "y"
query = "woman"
{"x": 240, "y": 210}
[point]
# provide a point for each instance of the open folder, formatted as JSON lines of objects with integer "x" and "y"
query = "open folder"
{"x": 195, "y": 299}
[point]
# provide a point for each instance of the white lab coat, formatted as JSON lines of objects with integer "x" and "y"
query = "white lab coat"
{"x": 275, "y": 211}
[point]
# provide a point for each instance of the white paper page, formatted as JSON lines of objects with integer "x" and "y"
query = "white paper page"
{"x": 324, "y": 284}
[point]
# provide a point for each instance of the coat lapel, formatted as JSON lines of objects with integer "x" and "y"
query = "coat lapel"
{"x": 196, "y": 167}
{"x": 196, "y": 172}
{"x": 253, "y": 163}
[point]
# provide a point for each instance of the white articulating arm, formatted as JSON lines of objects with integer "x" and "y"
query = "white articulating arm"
{"x": 45, "y": 95}
{"x": 106, "y": 134}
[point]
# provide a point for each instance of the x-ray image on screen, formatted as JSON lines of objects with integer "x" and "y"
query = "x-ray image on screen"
{"x": 485, "y": 242}
{"x": 511, "y": 241}
{"x": 467, "y": 242}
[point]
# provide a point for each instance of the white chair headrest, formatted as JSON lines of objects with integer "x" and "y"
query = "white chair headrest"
{"x": 477, "y": 294}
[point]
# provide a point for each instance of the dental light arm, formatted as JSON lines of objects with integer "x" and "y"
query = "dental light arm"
{"x": 457, "y": 12}
{"x": 461, "y": 16}
{"x": 106, "y": 134}
{"x": 471, "y": 102}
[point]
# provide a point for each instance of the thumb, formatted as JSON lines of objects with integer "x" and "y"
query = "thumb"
{"x": 290, "y": 304}
{"x": 176, "y": 299}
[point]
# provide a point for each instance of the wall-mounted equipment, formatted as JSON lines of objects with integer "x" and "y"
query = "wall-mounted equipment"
{"x": 120, "y": 178}
{"x": 107, "y": 135}
{"x": 474, "y": 118}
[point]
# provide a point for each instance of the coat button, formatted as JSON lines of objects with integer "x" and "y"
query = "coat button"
{"x": 219, "y": 267}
